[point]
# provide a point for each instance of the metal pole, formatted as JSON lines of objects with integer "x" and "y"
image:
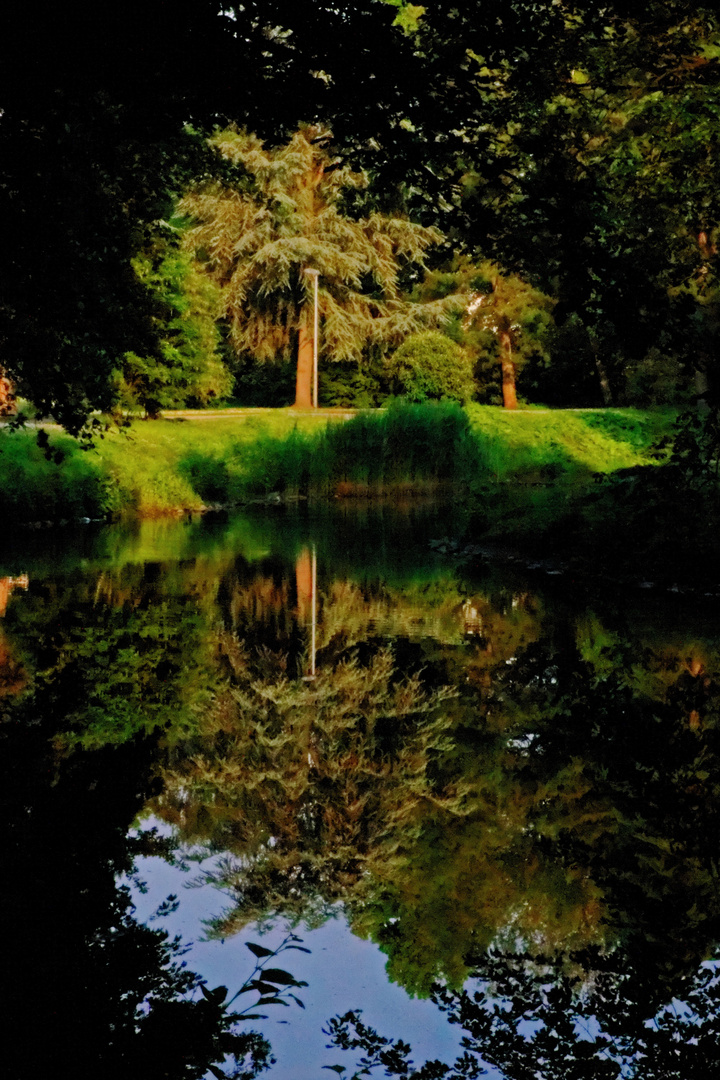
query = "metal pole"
{"x": 314, "y": 274}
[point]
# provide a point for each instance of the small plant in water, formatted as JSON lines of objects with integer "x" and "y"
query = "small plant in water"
{"x": 273, "y": 985}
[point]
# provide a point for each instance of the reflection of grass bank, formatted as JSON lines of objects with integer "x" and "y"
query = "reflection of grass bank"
{"x": 168, "y": 466}
{"x": 645, "y": 525}
{"x": 654, "y": 524}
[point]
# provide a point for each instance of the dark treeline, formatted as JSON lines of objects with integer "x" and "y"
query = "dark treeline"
{"x": 566, "y": 147}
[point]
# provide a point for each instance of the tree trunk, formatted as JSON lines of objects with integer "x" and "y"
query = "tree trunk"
{"x": 7, "y": 397}
{"x": 303, "y": 382}
{"x": 602, "y": 375}
{"x": 508, "y": 371}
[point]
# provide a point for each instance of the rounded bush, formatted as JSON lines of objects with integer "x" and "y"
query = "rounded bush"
{"x": 429, "y": 366}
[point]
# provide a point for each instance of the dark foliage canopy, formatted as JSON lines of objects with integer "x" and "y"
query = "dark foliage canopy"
{"x": 95, "y": 146}
{"x": 573, "y": 143}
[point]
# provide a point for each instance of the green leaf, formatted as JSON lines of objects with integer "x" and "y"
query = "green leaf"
{"x": 258, "y": 950}
{"x": 263, "y": 987}
{"x": 277, "y": 975}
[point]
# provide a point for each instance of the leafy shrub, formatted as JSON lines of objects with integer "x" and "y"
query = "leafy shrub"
{"x": 188, "y": 368}
{"x": 406, "y": 443}
{"x": 429, "y": 366}
{"x": 65, "y": 482}
{"x": 656, "y": 379}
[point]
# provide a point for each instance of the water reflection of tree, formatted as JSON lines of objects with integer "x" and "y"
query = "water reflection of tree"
{"x": 622, "y": 735}
{"x": 553, "y": 801}
{"x": 550, "y": 824}
{"x": 620, "y": 739}
{"x": 86, "y": 986}
{"x": 264, "y": 604}
{"x": 299, "y": 777}
{"x": 526, "y": 1017}
{"x": 378, "y": 789}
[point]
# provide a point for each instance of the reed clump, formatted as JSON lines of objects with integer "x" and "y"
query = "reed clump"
{"x": 409, "y": 448}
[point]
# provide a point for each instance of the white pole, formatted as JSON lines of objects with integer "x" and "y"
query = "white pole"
{"x": 314, "y": 274}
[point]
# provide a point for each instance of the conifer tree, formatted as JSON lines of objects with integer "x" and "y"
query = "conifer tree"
{"x": 288, "y": 218}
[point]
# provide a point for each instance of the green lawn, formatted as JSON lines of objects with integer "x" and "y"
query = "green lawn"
{"x": 544, "y": 440}
{"x": 173, "y": 464}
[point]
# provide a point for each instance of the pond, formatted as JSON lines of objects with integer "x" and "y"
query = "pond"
{"x": 307, "y": 756}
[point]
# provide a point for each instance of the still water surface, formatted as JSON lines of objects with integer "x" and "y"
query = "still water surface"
{"x": 436, "y": 776}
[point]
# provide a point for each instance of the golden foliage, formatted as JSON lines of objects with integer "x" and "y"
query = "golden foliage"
{"x": 256, "y": 242}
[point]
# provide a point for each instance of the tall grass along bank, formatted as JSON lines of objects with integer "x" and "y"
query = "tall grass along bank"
{"x": 171, "y": 465}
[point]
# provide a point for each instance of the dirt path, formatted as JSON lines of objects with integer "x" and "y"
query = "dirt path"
{"x": 243, "y": 413}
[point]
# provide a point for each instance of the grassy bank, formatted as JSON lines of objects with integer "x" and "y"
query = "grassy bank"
{"x": 169, "y": 465}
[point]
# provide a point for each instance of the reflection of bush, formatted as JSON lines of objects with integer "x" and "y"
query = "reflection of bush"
{"x": 115, "y": 656}
{"x": 447, "y": 824}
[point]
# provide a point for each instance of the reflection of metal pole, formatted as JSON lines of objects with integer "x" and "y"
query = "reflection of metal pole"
{"x": 302, "y": 609}
{"x": 314, "y": 274}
